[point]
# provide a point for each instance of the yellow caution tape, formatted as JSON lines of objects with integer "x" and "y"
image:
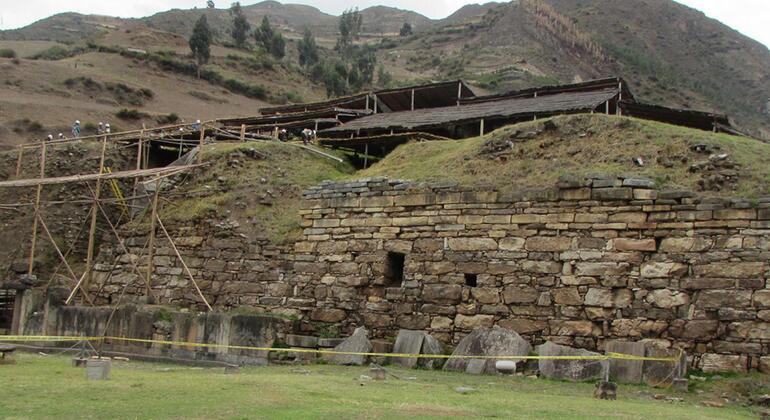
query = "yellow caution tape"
{"x": 608, "y": 356}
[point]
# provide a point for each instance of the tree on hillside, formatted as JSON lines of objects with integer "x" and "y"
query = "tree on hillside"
{"x": 270, "y": 40}
{"x": 406, "y": 30}
{"x": 241, "y": 26}
{"x": 210, "y": 4}
{"x": 200, "y": 43}
{"x": 350, "y": 28}
{"x": 308, "y": 50}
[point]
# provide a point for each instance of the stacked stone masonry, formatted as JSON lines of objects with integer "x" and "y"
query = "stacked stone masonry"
{"x": 579, "y": 264}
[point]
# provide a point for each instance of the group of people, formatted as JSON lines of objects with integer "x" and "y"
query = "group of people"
{"x": 306, "y": 134}
{"x": 102, "y": 128}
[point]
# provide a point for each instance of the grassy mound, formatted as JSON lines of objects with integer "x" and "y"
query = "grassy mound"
{"x": 535, "y": 154}
{"x": 257, "y": 184}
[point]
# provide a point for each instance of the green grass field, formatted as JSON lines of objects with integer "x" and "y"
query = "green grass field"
{"x": 41, "y": 386}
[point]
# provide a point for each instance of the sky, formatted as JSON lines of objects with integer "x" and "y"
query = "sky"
{"x": 750, "y": 17}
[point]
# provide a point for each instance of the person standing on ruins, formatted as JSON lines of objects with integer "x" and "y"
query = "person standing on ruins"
{"x": 76, "y": 129}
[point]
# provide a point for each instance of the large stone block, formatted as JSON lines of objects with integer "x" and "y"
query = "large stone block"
{"x": 472, "y": 244}
{"x": 542, "y": 267}
{"x": 714, "y": 363}
{"x": 523, "y": 325}
{"x": 548, "y": 243}
{"x": 493, "y": 341}
{"x": 637, "y": 327}
{"x": 512, "y": 244}
{"x": 601, "y": 269}
{"x": 469, "y": 322}
{"x": 520, "y": 294}
{"x": 752, "y": 330}
{"x": 626, "y": 371}
{"x": 608, "y": 298}
{"x": 739, "y": 270}
{"x": 623, "y": 244}
{"x": 442, "y": 293}
{"x": 574, "y": 328}
{"x": 715, "y": 299}
{"x": 328, "y": 315}
{"x": 566, "y": 296}
{"x": 666, "y": 298}
{"x": 356, "y": 343}
{"x": 678, "y": 245}
{"x": 414, "y": 342}
{"x": 572, "y": 370}
{"x": 663, "y": 269}
{"x": 610, "y": 194}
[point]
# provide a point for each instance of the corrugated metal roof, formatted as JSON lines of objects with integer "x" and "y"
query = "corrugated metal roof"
{"x": 506, "y": 108}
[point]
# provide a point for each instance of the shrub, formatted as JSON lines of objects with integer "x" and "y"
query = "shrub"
{"x": 167, "y": 119}
{"x": 7, "y": 53}
{"x": 57, "y": 52}
{"x": 130, "y": 114}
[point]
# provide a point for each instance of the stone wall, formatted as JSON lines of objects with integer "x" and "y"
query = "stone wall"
{"x": 579, "y": 264}
{"x": 587, "y": 261}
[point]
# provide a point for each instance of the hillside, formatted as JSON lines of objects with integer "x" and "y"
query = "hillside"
{"x": 670, "y": 54}
{"x": 537, "y": 154}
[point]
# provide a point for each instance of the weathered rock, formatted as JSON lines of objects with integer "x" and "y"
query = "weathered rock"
{"x": 713, "y": 363}
{"x": 666, "y": 298}
{"x": 356, "y": 343}
{"x": 625, "y": 371}
{"x": 415, "y": 342}
{"x": 573, "y": 370}
{"x": 493, "y": 341}
{"x": 662, "y": 373}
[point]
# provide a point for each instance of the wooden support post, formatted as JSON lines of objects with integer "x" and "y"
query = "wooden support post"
{"x": 200, "y": 144}
{"x": 481, "y": 127}
{"x": 139, "y": 152}
{"x": 18, "y": 161}
{"x": 66, "y": 264}
{"x": 243, "y": 133}
{"x": 92, "y": 232}
{"x": 412, "y": 99}
{"x": 459, "y": 92}
{"x": 375, "y": 104}
{"x": 37, "y": 210}
{"x": 607, "y": 107}
{"x": 366, "y": 154}
{"x": 186, "y": 269}
{"x": 367, "y": 101}
{"x": 151, "y": 248}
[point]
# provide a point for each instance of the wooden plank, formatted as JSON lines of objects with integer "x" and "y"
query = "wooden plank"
{"x": 92, "y": 230}
{"x": 37, "y": 211}
{"x": 66, "y": 264}
{"x": 18, "y": 161}
{"x": 91, "y": 177}
{"x": 243, "y": 133}
{"x": 151, "y": 248}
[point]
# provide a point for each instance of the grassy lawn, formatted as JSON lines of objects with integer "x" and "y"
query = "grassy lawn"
{"x": 47, "y": 386}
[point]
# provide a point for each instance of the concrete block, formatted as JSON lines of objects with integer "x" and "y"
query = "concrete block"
{"x": 98, "y": 369}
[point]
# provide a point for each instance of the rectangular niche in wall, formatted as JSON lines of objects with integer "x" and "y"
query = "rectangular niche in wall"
{"x": 394, "y": 269}
{"x": 470, "y": 280}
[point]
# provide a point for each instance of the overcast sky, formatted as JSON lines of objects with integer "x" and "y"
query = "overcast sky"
{"x": 751, "y": 17}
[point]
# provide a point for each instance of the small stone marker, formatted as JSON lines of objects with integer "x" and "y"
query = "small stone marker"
{"x": 79, "y": 362}
{"x": 506, "y": 367}
{"x": 98, "y": 369}
{"x": 606, "y": 390}
{"x": 681, "y": 385}
{"x": 377, "y": 373}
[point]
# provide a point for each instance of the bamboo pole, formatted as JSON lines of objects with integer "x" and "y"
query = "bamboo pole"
{"x": 37, "y": 210}
{"x": 186, "y": 269}
{"x": 151, "y": 248}
{"x": 200, "y": 143}
{"x": 18, "y": 161}
{"x": 92, "y": 232}
{"x": 123, "y": 247}
{"x": 66, "y": 264}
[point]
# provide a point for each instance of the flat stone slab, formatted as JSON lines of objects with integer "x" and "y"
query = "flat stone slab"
{"x": 356, "y": 343}
{"x": 493, "y": 341}
{"x": 626, "y": 371}
{"x": 572, "y": 370}
{"x": 304, "y": 341}
{"x": 408, "y": 342}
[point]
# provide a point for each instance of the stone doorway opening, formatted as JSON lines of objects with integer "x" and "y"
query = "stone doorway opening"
{"x": 7, "y": 305}
{"x": 394, "y": 269}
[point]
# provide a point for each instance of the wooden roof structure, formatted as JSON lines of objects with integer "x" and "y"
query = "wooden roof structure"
{"x": 684, "y": 117}
{"x": 276, "y": 120}
{"x": 587, "y": 86}
{"x": 424, "y": 119}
